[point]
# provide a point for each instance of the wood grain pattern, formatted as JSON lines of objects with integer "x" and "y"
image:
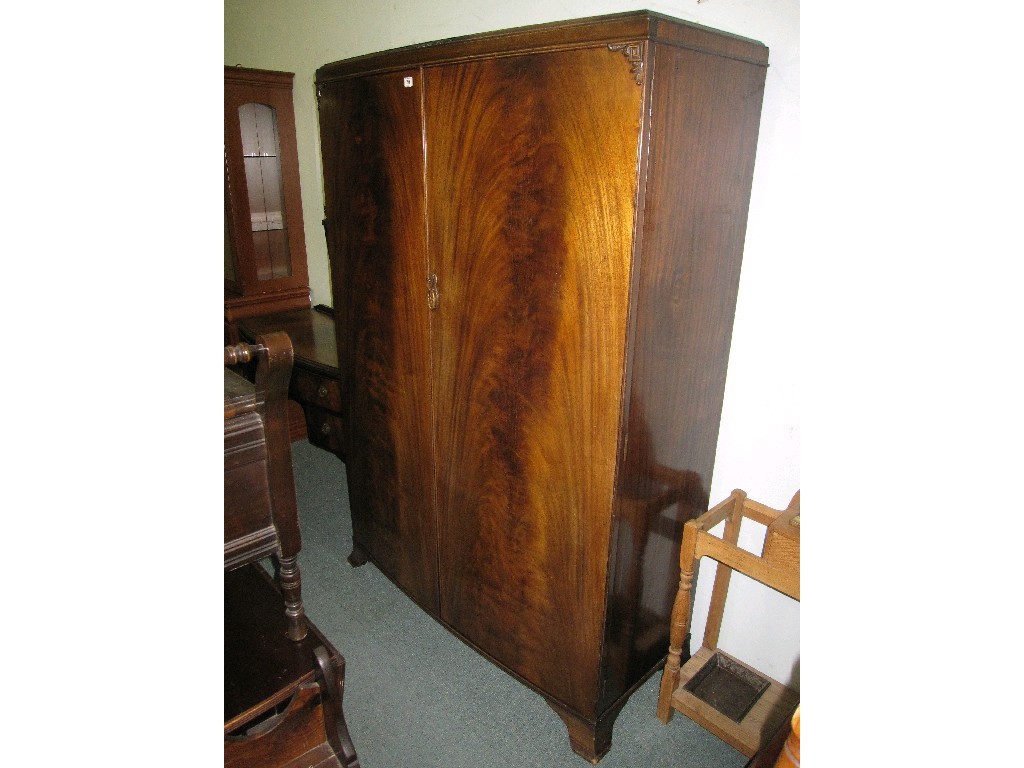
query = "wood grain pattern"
{"x": 572, "y": 34}
{"x": 570, "y": 202}
{"x": 532, "y": 251}
{"x": 697, "y": 195}
{"x": 374, "y": 194}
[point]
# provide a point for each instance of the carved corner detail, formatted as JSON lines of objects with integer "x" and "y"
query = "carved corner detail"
{"x": 634, "y": 53}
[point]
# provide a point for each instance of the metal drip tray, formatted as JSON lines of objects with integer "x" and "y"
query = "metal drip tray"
{"x": 727, "y": 685}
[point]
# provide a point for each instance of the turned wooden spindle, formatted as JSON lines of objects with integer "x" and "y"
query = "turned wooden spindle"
{"x": 679, "y": 628}
{"x": 240, "y": 353}
{"x": 778, "y": 567}
{"x": 291, "y": 589}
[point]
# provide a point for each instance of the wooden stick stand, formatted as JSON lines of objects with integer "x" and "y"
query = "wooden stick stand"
{"x": 738, "y": 704}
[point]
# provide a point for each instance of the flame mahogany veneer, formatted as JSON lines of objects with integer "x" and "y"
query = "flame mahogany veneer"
{"x": 535, "y": 240}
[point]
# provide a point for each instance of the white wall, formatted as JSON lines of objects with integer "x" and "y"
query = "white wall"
{"x": 759, "y": 446}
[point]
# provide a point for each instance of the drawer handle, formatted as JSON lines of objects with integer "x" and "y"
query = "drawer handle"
{"x": 325, "y": 428}
{"x": 322, "y": 392}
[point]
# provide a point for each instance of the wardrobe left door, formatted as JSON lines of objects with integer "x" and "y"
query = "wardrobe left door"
{"x": 372, "y": 147}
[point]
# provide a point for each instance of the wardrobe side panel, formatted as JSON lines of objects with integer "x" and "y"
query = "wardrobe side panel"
{"x": 704, "y": 124}
{"x": 531, "y": 183}
{"x": 373, "y": 183}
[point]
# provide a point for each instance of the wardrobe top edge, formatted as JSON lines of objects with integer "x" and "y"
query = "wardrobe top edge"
{"x": 595, "y": 30}
{"x": 238, "y": 73}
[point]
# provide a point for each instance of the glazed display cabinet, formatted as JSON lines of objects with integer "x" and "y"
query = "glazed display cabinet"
{"x": 264, "y": 243}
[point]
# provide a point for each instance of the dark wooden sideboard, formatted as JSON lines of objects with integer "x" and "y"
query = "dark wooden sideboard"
{"x": 315, "y": 383}
{"x": 535, "y": 239}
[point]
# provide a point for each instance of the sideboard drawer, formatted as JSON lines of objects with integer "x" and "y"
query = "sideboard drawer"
{"x": 325, "y": 429}
{"x": 321, "y": 391}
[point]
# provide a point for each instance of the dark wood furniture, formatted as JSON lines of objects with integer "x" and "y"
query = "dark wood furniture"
{"x": 315, "y": 384}
{"x": 264, "y": 242}
{"x": 535, "y": 240}
{"x": 282, "y": 699}
{"x": 261, "y": 518}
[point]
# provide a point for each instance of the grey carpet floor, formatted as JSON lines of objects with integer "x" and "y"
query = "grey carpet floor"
{"x": 418, "y": 697}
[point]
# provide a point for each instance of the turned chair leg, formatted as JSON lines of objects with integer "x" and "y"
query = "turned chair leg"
{"x": 291, "y": 589}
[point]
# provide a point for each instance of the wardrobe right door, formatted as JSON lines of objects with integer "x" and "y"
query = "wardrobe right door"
{"x": 531, "y": 177}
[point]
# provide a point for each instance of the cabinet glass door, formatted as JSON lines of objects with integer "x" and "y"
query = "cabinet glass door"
{"x": 264, "y": 239}
{"x": 262, "y": 152}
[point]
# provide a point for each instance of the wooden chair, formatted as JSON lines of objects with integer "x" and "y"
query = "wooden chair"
{"x": 735, "y": 702}
{"x": 260, "y": 513}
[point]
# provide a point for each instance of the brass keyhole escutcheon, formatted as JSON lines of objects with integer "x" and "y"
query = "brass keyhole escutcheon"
{"x": 433, "y": 297}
